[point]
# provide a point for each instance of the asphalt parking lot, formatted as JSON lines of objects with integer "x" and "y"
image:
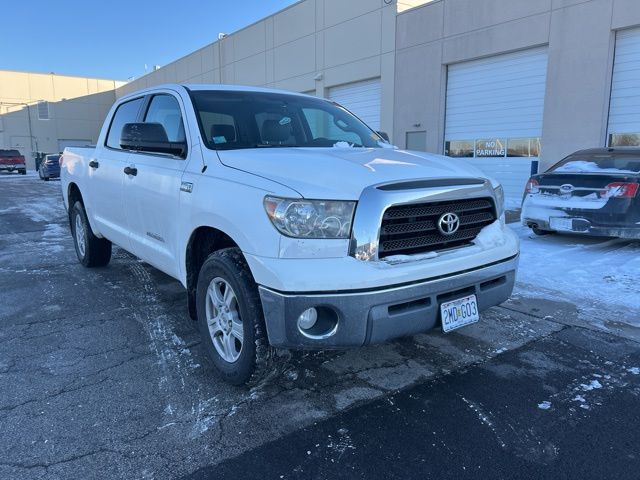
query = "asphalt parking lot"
{"x": 102, "y": 376}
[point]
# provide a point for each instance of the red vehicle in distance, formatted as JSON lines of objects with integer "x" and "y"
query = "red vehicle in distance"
{"x": 12, "y": 160}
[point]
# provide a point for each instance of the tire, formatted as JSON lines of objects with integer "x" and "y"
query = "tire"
{"x": 222, "y": 269}
{"x": 23, "y": 172}
{"x": 91, "y": 250}
{"x": 40, "y": 174}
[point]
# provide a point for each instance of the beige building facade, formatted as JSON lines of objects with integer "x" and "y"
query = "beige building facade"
{"x": 43, "y": 113}
{"x": 510, "y": 85}
{"x": 331, "y": 48}
{"x": 507, "y": 82}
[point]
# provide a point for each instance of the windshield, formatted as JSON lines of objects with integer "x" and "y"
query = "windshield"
{"x": 605, "y": 163}
{"x": 232, "y": 120}
{"x": 9, "y": 153}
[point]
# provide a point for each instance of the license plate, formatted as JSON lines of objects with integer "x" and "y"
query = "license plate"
{"x": 459, "y": 313}
{"x": 561, "y": 224}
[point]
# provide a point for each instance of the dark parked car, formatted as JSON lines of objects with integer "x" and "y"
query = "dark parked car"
{"x": 12, "y": 160}
{"x": 50, "y": 167}
{"x": 593, "y": 192}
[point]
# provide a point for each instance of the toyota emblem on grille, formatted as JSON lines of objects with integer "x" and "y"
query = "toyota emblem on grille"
{"x": 449, "y": 223}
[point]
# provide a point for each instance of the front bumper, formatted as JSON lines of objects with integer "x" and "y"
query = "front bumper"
{"x": 11, "y": 168}
{"x": 381, "y": 314}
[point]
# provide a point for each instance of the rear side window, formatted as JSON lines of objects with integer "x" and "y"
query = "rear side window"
{"x": 125, "y": 113}
{"x": 165, "y": 110}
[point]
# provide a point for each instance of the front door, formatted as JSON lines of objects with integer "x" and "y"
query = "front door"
{"x": 152, "y": 195}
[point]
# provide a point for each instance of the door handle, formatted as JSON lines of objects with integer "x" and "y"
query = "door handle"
{"x": 131, "y": 171}
{"x": 94, "y": 164}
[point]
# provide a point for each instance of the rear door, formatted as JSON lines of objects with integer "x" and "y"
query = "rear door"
{"x": 152, "y": 195}
{"x": 106, "y": 177}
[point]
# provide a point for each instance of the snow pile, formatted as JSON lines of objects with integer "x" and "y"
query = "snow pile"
{"x": 581, "y": 166}
{"x": 593, "y": 385}
{"x": 588, "y": 202}
{"x": 397, "y": 259}
{"x": 490, "y": 236}
{"x": 546, "y": 405}
{"x": 342, "y": 145}
{"x": 587, "y": 271}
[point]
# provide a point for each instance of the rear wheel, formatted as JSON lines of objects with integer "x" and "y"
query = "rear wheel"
{"x": 23, "y": 171}
{"x": 91, "y": 250}
{"x": 230, "y": 318}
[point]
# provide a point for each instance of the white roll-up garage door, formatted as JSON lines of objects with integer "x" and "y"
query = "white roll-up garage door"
{"x": 624, "y": 114}
{"x": 360, "y": 98}
{"x": 494, "y": 115}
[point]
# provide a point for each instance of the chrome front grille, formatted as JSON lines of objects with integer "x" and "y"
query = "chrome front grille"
{"x": 412, "y": 229}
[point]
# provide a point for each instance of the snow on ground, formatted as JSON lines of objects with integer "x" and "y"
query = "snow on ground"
{"x": 587, "y": 271}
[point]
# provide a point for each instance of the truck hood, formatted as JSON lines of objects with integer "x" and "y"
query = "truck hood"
{"x": 343, "y": 173}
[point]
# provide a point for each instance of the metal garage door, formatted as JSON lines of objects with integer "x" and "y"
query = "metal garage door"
{"x": 360, "y": 98}
{"x": 624, "y": 114}
{"x": 494, "y": 115}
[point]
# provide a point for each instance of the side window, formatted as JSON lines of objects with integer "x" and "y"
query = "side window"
{"x": 125, "y": 113}
{"x": 165, "y": 110}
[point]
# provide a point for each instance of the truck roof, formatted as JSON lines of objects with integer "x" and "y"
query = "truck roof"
{"x": 212, "y": 86}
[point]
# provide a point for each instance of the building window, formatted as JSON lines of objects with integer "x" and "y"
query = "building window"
{"x": 493, "y": 148}
{"x": 459, "y": 148}
{"x": 624, "y": 140}
{"x": 43, "y": 110}
{"x": 523, "y": 147}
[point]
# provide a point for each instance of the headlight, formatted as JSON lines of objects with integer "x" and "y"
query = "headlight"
{"x": 310, "y": 218}
{"x": 498, "y": 192}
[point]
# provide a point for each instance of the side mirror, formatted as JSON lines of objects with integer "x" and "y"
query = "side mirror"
{"x": 150, "y": 137}
{"x": 384, "y": 135}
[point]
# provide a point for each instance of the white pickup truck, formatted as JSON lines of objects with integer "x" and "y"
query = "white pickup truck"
{"x": 289, "y": 222}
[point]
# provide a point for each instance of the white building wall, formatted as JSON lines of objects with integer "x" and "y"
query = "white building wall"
{"x": 77, "y": 107}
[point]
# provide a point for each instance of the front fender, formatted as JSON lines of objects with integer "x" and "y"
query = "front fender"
{"x": 233, "y": 208}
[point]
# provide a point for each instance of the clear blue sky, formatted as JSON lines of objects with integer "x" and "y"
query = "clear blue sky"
{"x": 116, "y": 38}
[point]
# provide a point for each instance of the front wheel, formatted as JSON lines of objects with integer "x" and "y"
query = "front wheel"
{"x": 230, "y": 318}
{"x": 91, "y": 250}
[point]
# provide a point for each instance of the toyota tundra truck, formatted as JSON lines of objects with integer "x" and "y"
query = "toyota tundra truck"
{"x": 289, "y": 222}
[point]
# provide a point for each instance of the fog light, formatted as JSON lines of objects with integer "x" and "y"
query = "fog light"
{"x": 308, "y": 319}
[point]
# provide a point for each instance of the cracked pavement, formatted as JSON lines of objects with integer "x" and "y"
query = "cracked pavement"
{"x": 102, "y": 374}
